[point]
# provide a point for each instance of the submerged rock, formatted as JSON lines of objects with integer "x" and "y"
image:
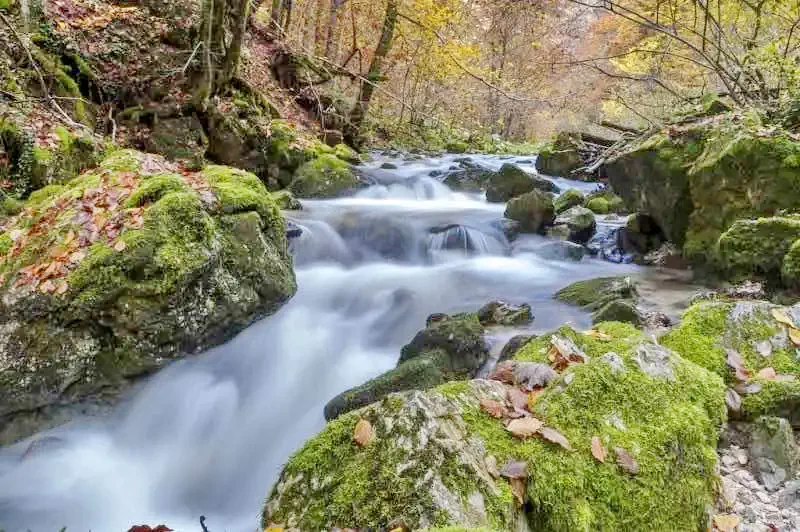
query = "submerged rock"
{"x": 124, "y": 269}
{"x": 469, "y": 180}
{"x": 450, "y": 347}
{"x": 511, "y": 181}
{"x": 436, "y": 455}
{"x": 580, "y": 223}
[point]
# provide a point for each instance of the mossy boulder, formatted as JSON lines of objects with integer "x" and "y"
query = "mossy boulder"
{"x": 571, "y": 198}
{"x": 450, "y": 347}
{"x": 434, "y": 455}
{"x": 511, "y": 181}
{"x": 697, "y": 179}
{"x": 324, "y": 177}
{"x": 346, "y": 153}
{"x": 598, "y": 205}
{"x": 533, "y": 210}
{"x": 759, "y": 246}
{"x": 423, "y": 466}
{"x": 607, "y": 298}
{"x": 469, "y": 180}
{"x": 29, "y": 162}
{"x": 580, "y": 222}
{"x": 179, "y": 139}
{"x": 719, "y": 335}
{"x": 123, "y": 269}
{"x": 561, "y": 157}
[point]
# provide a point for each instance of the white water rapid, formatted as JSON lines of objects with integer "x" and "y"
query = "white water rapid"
{"x": 209, "y": 434}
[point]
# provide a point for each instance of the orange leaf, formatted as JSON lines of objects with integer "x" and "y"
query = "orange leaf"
{"x": 552, "y": 435}
{"x": 598, "y": 450}
{"x": 493, "y": 408}
{"x": 525, "y": 427}
{"x": 363, "y": 433}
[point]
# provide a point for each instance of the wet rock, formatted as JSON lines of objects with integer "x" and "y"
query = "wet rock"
{"x": 376, "y": 235}
{"x": 655, "y": 360}
{"x": 561, "y": 250}
{"x": 453, "y": 237}
{"x": 622, "y": 310}
{"x": 469, "y": 180}
{"x": 293, "y": 230}
{"x": 287, "y": 201}
{"x": 506, "y": 314}
{"x": 179, "y": 139}
{"x": 389, "y": 166}
{"x": 530, "y": 375}
{"x": 773, "y": 451}
{"x": 450, "y": 347}
{"x": 641, "y": 235}
{"x": 511, "y": 182}
{"x": 759, "y": 247}
{"x": 324, "y": 177}
{"x": 533, "y": 210}
{"x": 561, "y": 158}
{"x": 513, "y": 346}
{"x": 580, "y": 222}
{"x": 571, "y": 198}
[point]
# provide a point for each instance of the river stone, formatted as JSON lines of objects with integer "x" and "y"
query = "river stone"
{"x": 623, "y": 310}
{"x": 507, "y": 314}
{"x": 561, "y": 250}
{"x": 511, "y": 181}
{"x": 449, "y": 348}
{"x": 533, "y": 210}
{"x": 655, "y": 360}
{"x": 774, "y": 451}
{"x": 513, "y": 345}
{"x": 571, "y": 198}
{"x": 210, "y": 258}
{"x": 580, "y": 222}
{"x": 469, "y": 180}
{"x": 530, "y": 375}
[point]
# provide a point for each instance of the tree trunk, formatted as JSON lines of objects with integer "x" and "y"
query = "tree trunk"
{"x": 319, "y": 28}
{"x": 275, "y": 16}
{"x": 359, "y": 112}
{"x": 234, "y": 52}
{"x": 333, "y": 20}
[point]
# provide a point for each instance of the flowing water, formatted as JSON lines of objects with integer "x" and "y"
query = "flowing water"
{"x": 209, "y": 435}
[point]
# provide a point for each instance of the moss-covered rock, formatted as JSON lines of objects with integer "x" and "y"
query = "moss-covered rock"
{"x": 598, "y": 205}
{"x": 29, "y": 162}
{"x": 712, "y": 333}
{"x": 431, "y": 459}
{"x": 607, "y": 298}
{"x": 571, "y": 198}
{"x": 697, "y": 179}
{"x": 758, "y": 246}
{"x": 124, "y": 268}
{"x": 423, "y": 466}
{"x": 580, "y": 223}
{"x": 346, "y": 153}
{"x": 790, "y": 270}
{"x": 511, "y": 181}
{"x": 533, "y": 210}
{"x": 561, "y": 157}
{"x": 324, "y": 177}
{"x": 469, "y": 180}
{"x": 450, "y": 347}
{"x": 179, "y": 139}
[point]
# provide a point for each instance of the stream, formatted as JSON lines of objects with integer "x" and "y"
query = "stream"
{"x": 208, "y": 435}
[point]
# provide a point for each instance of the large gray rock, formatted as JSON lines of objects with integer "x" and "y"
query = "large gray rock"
{"x": 774, "y": 452}
{"x": 511, "y": 181}
{"x": 580, "y": 223}
{"x": 533, "y": 210}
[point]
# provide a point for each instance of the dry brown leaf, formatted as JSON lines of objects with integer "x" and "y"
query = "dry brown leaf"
{"x": 533, "y": 397}
{"x": 726, "y": 522}
{"x": 782, "y": 317}
{"x": 493, "y": 408}
{"x": 598, "y": 450}
{"x": 515, "y": 469}
{"x": 552, "y": 435}
{"x": 491, "y": 466}
{"x": 525, "y": 427}
{"x": 626, "y": 461}
{"x": 517, "y": 399}
{"x": 518, "y": 490}
{"x": 503, "y": 372}
{"x": 794, "y": 336}
{"x": 768, "y": 374}
{"x": 120, "y": 246}
{"x": 47, "y": 287}
{"x": 363, "y": 433}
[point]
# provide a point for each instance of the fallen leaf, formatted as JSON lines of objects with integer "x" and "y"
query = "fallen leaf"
{"x": 517, "y": 399}
{"x": 515, "y": 469}
{"x": 363, "y": 433}
{"x": 794, "y": 336}
{"x": 552, "y": 435}
{"x": 597, "y": 334}
{"x": 503, "y": 372}
{"x": 120, "y": 246}
{"x": 626, "y": 461}
{"x": 768, "y": 374}
{"x": 274, "y": 528}
{"x": 726, "y": 522}
{"x": 47, "y": 287}
{"x": 736, "y": 363}
{"x": 518, "y": 490}
{"x": 733, "y": 400}
{"x": 782, "y": 317}
{"x": 493, "y": 408}
{"x": 533, "y": 397}
{"x": 491, "y": 466}
{"x": 62, "y": 288}
{"x": 525, "y": 427}
{"x": 598, "y": 450}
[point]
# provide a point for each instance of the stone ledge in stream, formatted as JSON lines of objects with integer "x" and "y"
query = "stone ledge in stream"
{"x": 123, "y": 269}
{"x": 449, "y": 348}
{"x": 607, "y": 298}
{"x": 444, "y": 457}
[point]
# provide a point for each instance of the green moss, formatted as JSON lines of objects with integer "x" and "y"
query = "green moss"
{"x": 758, "y": 246}
{"x": 790, "y": 270}
{"x": 697, "y": 338}
{"x": 596, "y": 293}
{"x": 346, "y": 153}
{"x": 571, "y": 198}
{"x": 154, "y": 188}
{"x": 325, "y": 176}
{"x": 670, "y": 427}
{"x": 10, "y": 206}
{"x": 5, "y": 243}
{"x": 598, "y": 206}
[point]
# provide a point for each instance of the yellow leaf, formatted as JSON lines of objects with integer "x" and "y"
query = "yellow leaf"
{"x": 363, "y": 433}
{"x": 781, "y": 317}
{"x": 597, "y": 334}
{"x": 794, "y": 336}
